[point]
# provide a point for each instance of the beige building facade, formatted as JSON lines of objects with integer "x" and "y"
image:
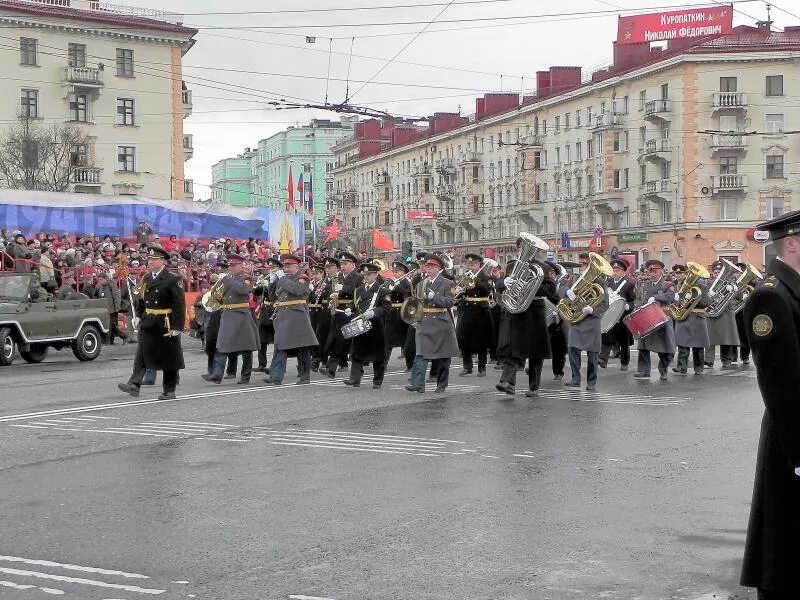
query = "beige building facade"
{"x": 115, "y": 73}
{"x": 676, "y": 159}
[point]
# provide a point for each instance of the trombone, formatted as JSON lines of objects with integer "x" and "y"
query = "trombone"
{"x": 468, "y": 281}
{"x": 393, "y": 283}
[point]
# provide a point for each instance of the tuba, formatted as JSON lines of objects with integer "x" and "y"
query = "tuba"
{"x": 587, "y": 291}
{"x": 745, "y": 286}
{"x": 212, "y": 299}
{"x": 723, "y": 291}
{"x": 689, "y": 292}
{"x": 527, "y": 275}
{"x": 411, "y": 312}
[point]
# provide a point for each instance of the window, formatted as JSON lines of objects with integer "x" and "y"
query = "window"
{"x": 578, "y": 150}
{"x": 774, "y": 85}
{"x": 727, "y": 209}
{"x": 558, "y": 156}
{"x": 126, "y": 159}
{"x": 728, "y": 165}
{"x": 590, "y": 184}
{"x": 76, "y": 55}
{"x": 79, "y": 155}
{"x": 775, "y": 207}
{"x": 79, "y": 108}
{"x": 508, "y": 167}
{"x": 642, "y": 174}
{"x": 30, "y": 154}
{"x": 618, "y": 179}
{"x": 578, "y": 118}
{"x": 557, "y": 125}
{"x": 29, "y": 103}
{"x": 125, "y": 114}
{"x": 775, "y": 167}
{"x": 491, "y": 143}
{"x": 589, "y": 149}
{"x": 28, "y": 51}
{"x": 566, "y": 121}
{"x": 598, "y": 144}
{"x": 567, "y": 154}
{"x": 544, "y": 126}
{"x": 665, "y": 91}
{"x": 589, "y": 116}
{"x": 618, "y": 141}
{"x": 124, "y": 62}
{"x": 727, "y": 84}
{"x": 537, "y": 160}
{"x": 774, "y": 124}
{"x": 642, "y": 99}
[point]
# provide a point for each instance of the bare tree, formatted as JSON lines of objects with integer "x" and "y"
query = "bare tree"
{"x": 33, "y": 157}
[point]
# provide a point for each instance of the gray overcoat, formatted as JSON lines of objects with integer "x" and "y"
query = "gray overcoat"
{"x": 238, "y": 331}
{"x": 722, "y": 330}
{"x": 662, "y": 340}
{"x": 293, "y": 323}
{"x": 587, "y": 334}
{"x": 693, "y": 331}
{"x": 436, "y": 334}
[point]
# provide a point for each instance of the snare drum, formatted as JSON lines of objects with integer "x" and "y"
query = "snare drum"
{"x": 616, "y": 307}
{"x": 355, "y": 328}
{"x": 646, "y": 319}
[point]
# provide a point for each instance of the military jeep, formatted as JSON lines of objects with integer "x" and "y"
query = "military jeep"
{"x": 32, "y": 324}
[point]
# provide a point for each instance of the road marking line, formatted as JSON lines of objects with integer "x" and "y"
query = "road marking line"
{"x": 19, "y": 586}
{"x": 54, "y": 591}
{"x": 148, "y": 429}
{"x": 296, "y": 597}
{"x": 81, "y": 580}
{"x": 197, "y": 423}
{"x": 198, "y": 428}
{"x": 112, "y": 431}
{"x": 31, "y": 426}
{"x": 347, "y": 436}
{"x": 381, "y": 435}
{"x": 346, "y": 440}
{"x": 350, "y": 448}
{"x": 524, "y": 455}
{"x": 225, "y": 439}
{"x": 355, "y": 443}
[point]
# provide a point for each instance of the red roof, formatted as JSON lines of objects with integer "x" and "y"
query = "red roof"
{"x": 109, "y": 17}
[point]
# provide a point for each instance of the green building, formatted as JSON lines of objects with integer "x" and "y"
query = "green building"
{"x": 260, "y": 176}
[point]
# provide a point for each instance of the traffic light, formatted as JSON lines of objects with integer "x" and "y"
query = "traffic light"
{"x": 407, "y": 249}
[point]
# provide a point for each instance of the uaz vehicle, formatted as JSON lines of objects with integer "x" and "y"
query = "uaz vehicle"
{"x": 34, "y": 327}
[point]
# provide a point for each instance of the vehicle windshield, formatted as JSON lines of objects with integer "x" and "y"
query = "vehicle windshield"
{"x": 15, "y": 287}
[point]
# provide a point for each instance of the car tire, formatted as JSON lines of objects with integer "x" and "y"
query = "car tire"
{"x": 8, "y": 346}
{"x": 87, "y": 344}
{"x": 36, "y": 354}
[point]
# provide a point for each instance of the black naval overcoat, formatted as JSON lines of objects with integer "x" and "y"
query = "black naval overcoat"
{"x": 163, "y": 292}
{"x": 371, "y": 346}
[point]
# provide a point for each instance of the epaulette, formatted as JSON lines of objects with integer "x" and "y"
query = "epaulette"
{"x": 771, "y": 281}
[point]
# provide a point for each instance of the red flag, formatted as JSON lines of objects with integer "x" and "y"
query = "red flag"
{"x": 290, "y": 189}
{"x": 381, "y": 242}
{"x": 310, "y": 196}
{"x": 331, "y": 231}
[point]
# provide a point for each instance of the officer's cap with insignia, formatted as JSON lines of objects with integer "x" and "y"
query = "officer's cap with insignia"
{"x": 399, "y": 265}
{"x": 679, "y": 268}
{"x": 234, "y": 258}
{"x": 157, "y": 252}
{"x": 434, "y": 259}
{"x": 369, "y": 267}
{"x": 274, "y": 262}
{"x": 330, "y": 261}
{"x": 290, "y": 259}
{"x": 347, "y": 257}
{"x": 653, "y": 262}
{"x": 475, "y": 257}
{"x": 781, "y": 227}
{"x": 618, "y": 262}
{"x": 318, "y": 267}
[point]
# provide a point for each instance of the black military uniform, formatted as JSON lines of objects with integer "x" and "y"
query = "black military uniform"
{"x": 318, "y": 310}
{"x": 744, "y": 346}
{"x": 325, "y": 318}
{"x": 338, "y": 348}
{"x": 558, "y": 330}
{"x": 372, "y": 304}
{"x": 162, "y": 310}
{"x": 772, "y": 320}
{"x": 410, "y": 345}
{"x": 475, "y": 330}
{"x": 396, "y": 328}
{"x": 265, "y": 296}
{"x": 619, "y": 336}
{"x": 211, "y": 333}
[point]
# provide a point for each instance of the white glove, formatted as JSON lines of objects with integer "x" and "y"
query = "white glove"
{"x": 273, "y": 277}
{"x": 677, "y": 297}
{"x": 587, "y": 310}
{"x": 279, "y": 273}
{"x": 369, "y": 314}
{"x": 135, "y": 322}
{"x": 338, "y": 287}
{"x": 627, "y": 307}
{"x": 431, "y": 294}
{"x": 797, "y": 471}
{"x": 651, "y": 299}
{"x": 174, "y": 333}
{"x": 508, "y": 282}
{"x": 209, "y": 310}
{"x": 347, "y": 312}
{"x": 571, "y": 295}
{"x": 221, "y": 276}
{"x": 310, "y": 287}
{"x": 730, "y": 287}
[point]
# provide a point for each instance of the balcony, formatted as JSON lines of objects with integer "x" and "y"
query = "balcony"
{"x": 421, "y": 171}
{"x": 728, "y": 183}
{"x": 445, "y": 191}
{"x": 186, "y": 99}
{"x": 382, "y": 180}
{"x": 728, "y": 101}
{"x": 469, "y": 158}
{"x": 329, "y": 177}
{"x": 657, "y": 188}
{"x": 445, "y": 167}
{"x": 658, "y": 109}
{"x": 84, "y": 77}
{"x": 86, "y": 176}
{"x": 606, "y": 121}
{"x": 188, "y": 146}
{"x": 529, "y": 141}
{"x": 728, "y": 141}
{"x": 188, "y": 189}
{"x": 447, "y": 221}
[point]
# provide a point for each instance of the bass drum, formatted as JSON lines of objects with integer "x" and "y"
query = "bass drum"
{"x": 614, "y": 312}
{"x": 646, "y": 319}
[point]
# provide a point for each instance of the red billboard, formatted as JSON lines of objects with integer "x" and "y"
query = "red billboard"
{"x": 675, "y": 25}
{"x": 421, "y": 215}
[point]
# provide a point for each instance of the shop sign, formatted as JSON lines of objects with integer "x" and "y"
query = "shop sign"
{"x": 627, "y": 238}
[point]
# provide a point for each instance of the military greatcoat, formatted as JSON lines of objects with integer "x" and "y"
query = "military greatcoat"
{"x": 371, "y": 346}
{"x": 292, "y": 323}
{"x": 772, "y": 322}
{"x": 396, "y": 328}
{"x": 265, "y": 296}
{"x": 662, "y": 340}
{"x": 692, "y": 332}
{"x": 524, "y": 335}
{"x": 475, "y": 329}
{"x": 587, "y": 334}
{"x": 163, "y": 292}
{"x": 436, "y": 334}
{"x": 238, "y": 331}
{"x": 336, "y": 344}
{"x": 722, "y": 330}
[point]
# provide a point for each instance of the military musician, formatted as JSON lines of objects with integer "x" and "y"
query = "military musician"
{"x": 162, "y": 309}
{"x": 722, "y": 329}
{"x": 557, "y": 329}
{"x": 292, "y": 323}
{"x": 691, "y": 332}
{"x": 396, "y": 328}
{"x": 744, "y": 346}
{"x": 435, "y": 333}
{"x": 318, "y": 307}
{"x": 338, "y": 348}
{"x": 619, "y": 337}
{"x": 475, "y": 331}
{"x": 410, "y": 345}
{"x": 656, "y": 288}
{"x": 371, "y": 303}
{"x": 264, "y": 294}
{"x": 326, "y": 318}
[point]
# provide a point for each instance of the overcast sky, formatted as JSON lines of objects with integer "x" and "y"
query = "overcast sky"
{"x": 230, "y": 107}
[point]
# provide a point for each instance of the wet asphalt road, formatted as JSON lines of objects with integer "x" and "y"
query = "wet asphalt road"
{"x": 640, "y": 490}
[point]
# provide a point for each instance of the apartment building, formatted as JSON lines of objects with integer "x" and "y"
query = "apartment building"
{"x": 113, "y": 72}
{"x": 672, "y": 152}
{"x": 260, "y": 176}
